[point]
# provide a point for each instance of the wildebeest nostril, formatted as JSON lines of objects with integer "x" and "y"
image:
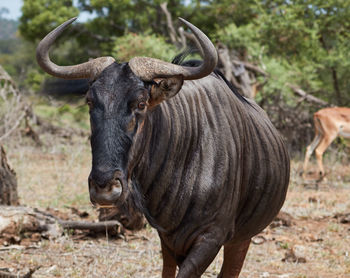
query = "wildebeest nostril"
{"x": 107, "y": 194}
{"x": 114, "y": 182}
{"x": 117, "y": 183}
{"x": 100, "y": 178}
{"x": 96, "y": 184}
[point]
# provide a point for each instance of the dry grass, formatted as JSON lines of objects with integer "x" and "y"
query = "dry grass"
{"x": 56, "y": 176}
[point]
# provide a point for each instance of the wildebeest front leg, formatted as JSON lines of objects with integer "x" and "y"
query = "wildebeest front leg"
{"x": 234, "y": 255}
{"x": 202, "y": 253}
{"x": 169, "y": 262}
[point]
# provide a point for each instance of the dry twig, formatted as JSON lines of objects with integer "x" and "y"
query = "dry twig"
{"x": 6, "y": 274}
{"x": 306, "y": 96}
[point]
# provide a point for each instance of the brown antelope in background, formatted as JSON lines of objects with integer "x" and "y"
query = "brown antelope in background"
{"x": 329, "y": 124}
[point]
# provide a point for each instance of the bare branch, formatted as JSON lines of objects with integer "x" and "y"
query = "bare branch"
{"x": 225, "y": 60}
{"x": 306, "y": 96}
{"x": 182, "y": 37}
{"x": 192, "y": 38}
{"x": 7, "y": 78}
{"x": 8, "y": 133}
{"x": 172, "y": 32}
{"x": 237, "y": 69}
{"x": 250, "y": 67}
{"x": 13, "y": 105}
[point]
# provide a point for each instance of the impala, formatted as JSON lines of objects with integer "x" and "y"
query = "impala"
{"x": 329, "y": 124}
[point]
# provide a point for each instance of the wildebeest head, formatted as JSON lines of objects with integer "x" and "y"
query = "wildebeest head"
{"x": 119, "y": 98}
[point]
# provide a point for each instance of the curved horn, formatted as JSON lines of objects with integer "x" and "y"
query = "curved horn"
{"x": 89, "y": 69}
{"x": 149, "y": 68}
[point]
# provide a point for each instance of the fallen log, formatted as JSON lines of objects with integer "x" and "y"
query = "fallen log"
{"x": 91, "y": 226}
{"x": 20, "y": 224}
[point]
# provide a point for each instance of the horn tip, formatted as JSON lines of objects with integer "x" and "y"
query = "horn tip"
{"x": 182, "y": 20}
{"x": 188, "y": 24}
{"x": 73, "y": 19}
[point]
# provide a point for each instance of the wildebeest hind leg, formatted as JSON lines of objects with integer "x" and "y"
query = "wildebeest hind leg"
{"x": 169, "y": 263}
{"x": 234, "y": 255}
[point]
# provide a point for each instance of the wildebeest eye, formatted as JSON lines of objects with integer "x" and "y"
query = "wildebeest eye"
{"x": 141, "y": 105}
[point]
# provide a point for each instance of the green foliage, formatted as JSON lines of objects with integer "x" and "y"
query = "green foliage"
{"x": 39, "y": 17}
{"x": 132, "y": 45}
{"x": 34, "y": 79}
{"x": 117, "y": 17}
{"x": 214, "y": 15}
{"x": 72, "y": 115}
{"x": 280, "y": 73}
{"x": 305, "y": 43}
{"x": 22, "y": 66}
{"x": 243, "y": 39}
{"x": 247, "y": 42}
{"x": 299, "y": 42}
{"x": 69, "y": 52}
{"x": 78, "y": 113}
{"x": 313, "y": 37}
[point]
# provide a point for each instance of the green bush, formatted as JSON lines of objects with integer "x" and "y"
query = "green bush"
{"x": 243, "y": 39}
{"x": 34, "y": 79}
{"x": 132, "y": 45}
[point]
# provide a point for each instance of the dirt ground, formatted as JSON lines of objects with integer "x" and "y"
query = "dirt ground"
{"x": 313, "y": 242}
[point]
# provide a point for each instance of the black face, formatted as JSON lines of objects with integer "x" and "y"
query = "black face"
{"x": 118, "y": 103}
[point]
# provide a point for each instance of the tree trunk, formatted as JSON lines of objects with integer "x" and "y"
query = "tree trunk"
{"x": 8, "y": 182}
{"x": 336, "y": 86}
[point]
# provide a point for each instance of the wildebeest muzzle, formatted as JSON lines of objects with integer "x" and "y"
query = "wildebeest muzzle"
{"x": 106, "y": 188}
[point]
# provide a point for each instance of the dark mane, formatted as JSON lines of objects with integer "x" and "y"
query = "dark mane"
{"x": 180, "y": 60}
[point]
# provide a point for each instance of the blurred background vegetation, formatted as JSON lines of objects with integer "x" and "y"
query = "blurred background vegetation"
{"x": 285, "y": 46}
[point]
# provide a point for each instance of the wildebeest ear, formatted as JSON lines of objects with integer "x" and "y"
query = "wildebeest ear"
{"x": 165, "y": 88}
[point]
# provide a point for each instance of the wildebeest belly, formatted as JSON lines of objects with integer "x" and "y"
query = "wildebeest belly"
{"x": 265, "y": 177}
{"x": 213, "y": 166}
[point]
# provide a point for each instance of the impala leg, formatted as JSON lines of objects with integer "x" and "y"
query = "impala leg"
{"x": 234, "y": 255}
{"x": 169, "y": 263}
{"x": 309, "y": 150}
{"x": 321, "y": 148}
{"x": 315, "y": 142}
{"x": 202, "y": 253}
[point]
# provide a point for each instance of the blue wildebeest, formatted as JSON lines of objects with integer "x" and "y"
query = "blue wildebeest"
{"x": 205, "y": 165}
